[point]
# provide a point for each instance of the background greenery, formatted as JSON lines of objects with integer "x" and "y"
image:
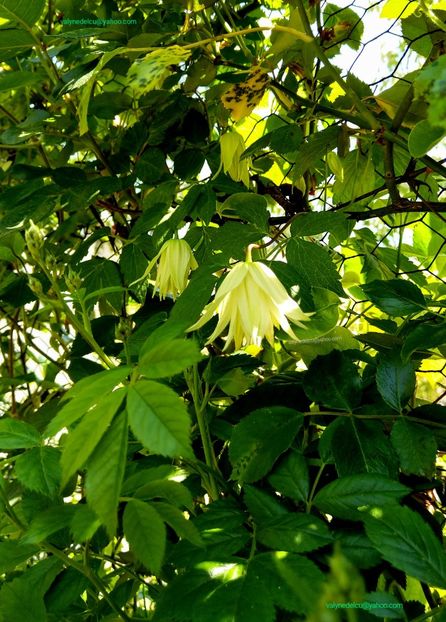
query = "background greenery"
{"x": 144, "y": 475}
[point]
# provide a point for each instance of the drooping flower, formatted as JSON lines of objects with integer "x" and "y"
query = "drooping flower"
{"x": 252, "y": 302}
{"x": 175, "y": 261}
{"x": 232, "y": 146}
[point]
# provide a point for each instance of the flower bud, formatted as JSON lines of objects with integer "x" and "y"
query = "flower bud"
{"x": 35, "y": 286}
{"x": 73, "y": 281}
{"x": 34, "y": 240}
{"x": 232, "y": 146}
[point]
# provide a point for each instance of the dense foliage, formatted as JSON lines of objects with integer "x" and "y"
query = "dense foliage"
{"x": 222, "y": 300}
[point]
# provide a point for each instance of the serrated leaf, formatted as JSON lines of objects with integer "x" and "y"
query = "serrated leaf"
{"x": 395, "y": 297}
{"x": 395, "y": 380}
{"x": 146, "y": 533}
{"x": 291, "y": 579}
{"x": 168, "y": 358}
{"x": 22, "y": 598}
{"x": 14, "y": 553}
{"x": 16, "y": 434}
{"x": 175, "y": 518}
{"x": 290, "y": 477}
{"x": 38, "y": 469}
{"x": 296, "y": 533}
{"x": 408, "y": 543}
{"x": 313, "y": 265}
{"x": 48, "y": 522}
{"x": 149, "y": 72}
{"x": 82, "y": 441}
{"x": 316, "y": 147}
{"x": 423, "y": 337}
{"x": 84, "y": 395}
{"x": 342, "y": 384}
{"x": 22, "y": 12}
{"x": 416, "y": 447}
{"x": 261, "y": 505}
{"x": 248, "y": 206}
{"x": 84, "y": 523}
{"x": 259, "y": 439}
{"x": 423, "y": 137}
{"x": 343, "y": 497}
{"x": 242, "y": 599}
{"x": 159, "y": 419}
{"x": 360, "y": 446}
{"x": 358, "y": 548}
{"x": 175, "y": 492}
{"x": 105, "y": 471}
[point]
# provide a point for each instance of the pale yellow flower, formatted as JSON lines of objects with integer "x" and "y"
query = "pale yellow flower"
{"x": 175, "y": 263}
{"x": 252, "y": 302}
{"x": 232, "y": 146}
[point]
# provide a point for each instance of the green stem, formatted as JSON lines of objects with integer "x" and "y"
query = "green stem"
{"x": 94, "y": 579}
{"x": 315, "y": 485}
{"x": 200, "y": 403}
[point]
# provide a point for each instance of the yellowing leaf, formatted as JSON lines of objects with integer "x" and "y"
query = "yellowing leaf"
{"x": 336, "y": 91}
{"x": 242, "y": 98}
{"x": 394, "y": 9}
{"x": 149, "y": 72}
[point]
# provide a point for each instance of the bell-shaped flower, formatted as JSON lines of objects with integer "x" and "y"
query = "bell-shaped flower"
{"x": 232, "y": 146}
{"x": 175, "y": 261}
{"x": 251, "y": 302}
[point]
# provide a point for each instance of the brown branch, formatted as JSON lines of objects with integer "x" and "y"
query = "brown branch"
{"x": 400, "y": 208}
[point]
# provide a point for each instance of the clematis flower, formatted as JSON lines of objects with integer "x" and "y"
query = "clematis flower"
{"x": 252, "y": 302}
{"x": 232, "y": 146}
{"x": 175, "y": 263}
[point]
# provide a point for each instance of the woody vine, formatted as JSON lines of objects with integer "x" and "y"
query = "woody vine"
{"x": 222, "y": 334}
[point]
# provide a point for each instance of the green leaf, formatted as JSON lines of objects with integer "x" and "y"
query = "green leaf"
{"x": 146, "y": 533}
{"x": 85, "y": 394}
{"x": 358, "y": 548}
{"x": 259, "y": 439}
{"x": 395, "y": 379}
{"x": 175, "y": 492}
{"x": 38, "y": 469}
{"x": 261, "y": 505}
{"x": 423, "y": 137}
{"x": 291, "y": 579}
{"x": 14, "y": 41}
{"x": 14, "y": 553}
{"x": 343, "y": 497}
{"x": 159, "y": 419}
{"x": 314, "y": 223}
{"x": 151, "y": 167}
{"x": 313, "y": 265}
{"x": 296, "y": 533}
{"x": 22, "y": 12}
{"x": 84, "y": 523}
{"x": 133, "y": 263}
{"x": 342, "y": 384}
{"x": 389, "y": 606}
{"x": 416, "y": 447}
{"x": 241, "y": 599}
{"x": 82, "y": 441}
{"x": 423, "y": 337}
{"x": 48, "y": 522}
{"x": 105, "y": 471}
{"x": 358, "y": 178}
{"x": 16, "y": 434}
{"x": 175, "y": 518}
{"x": 14, "y": 80}
{"x": 360, "y": 446}
{"x": 316, "y": 146}
{"x": 339, "y": 338}
{"x": 22, "y": 598}
{"x": 406, "y": 541}
{"x": 102, "y": 280}
{"x": 249, "y": 206}
{"x": 290, "y": 477}
{"x": 167, "y": 358}
{"x": 395, "y": 297}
